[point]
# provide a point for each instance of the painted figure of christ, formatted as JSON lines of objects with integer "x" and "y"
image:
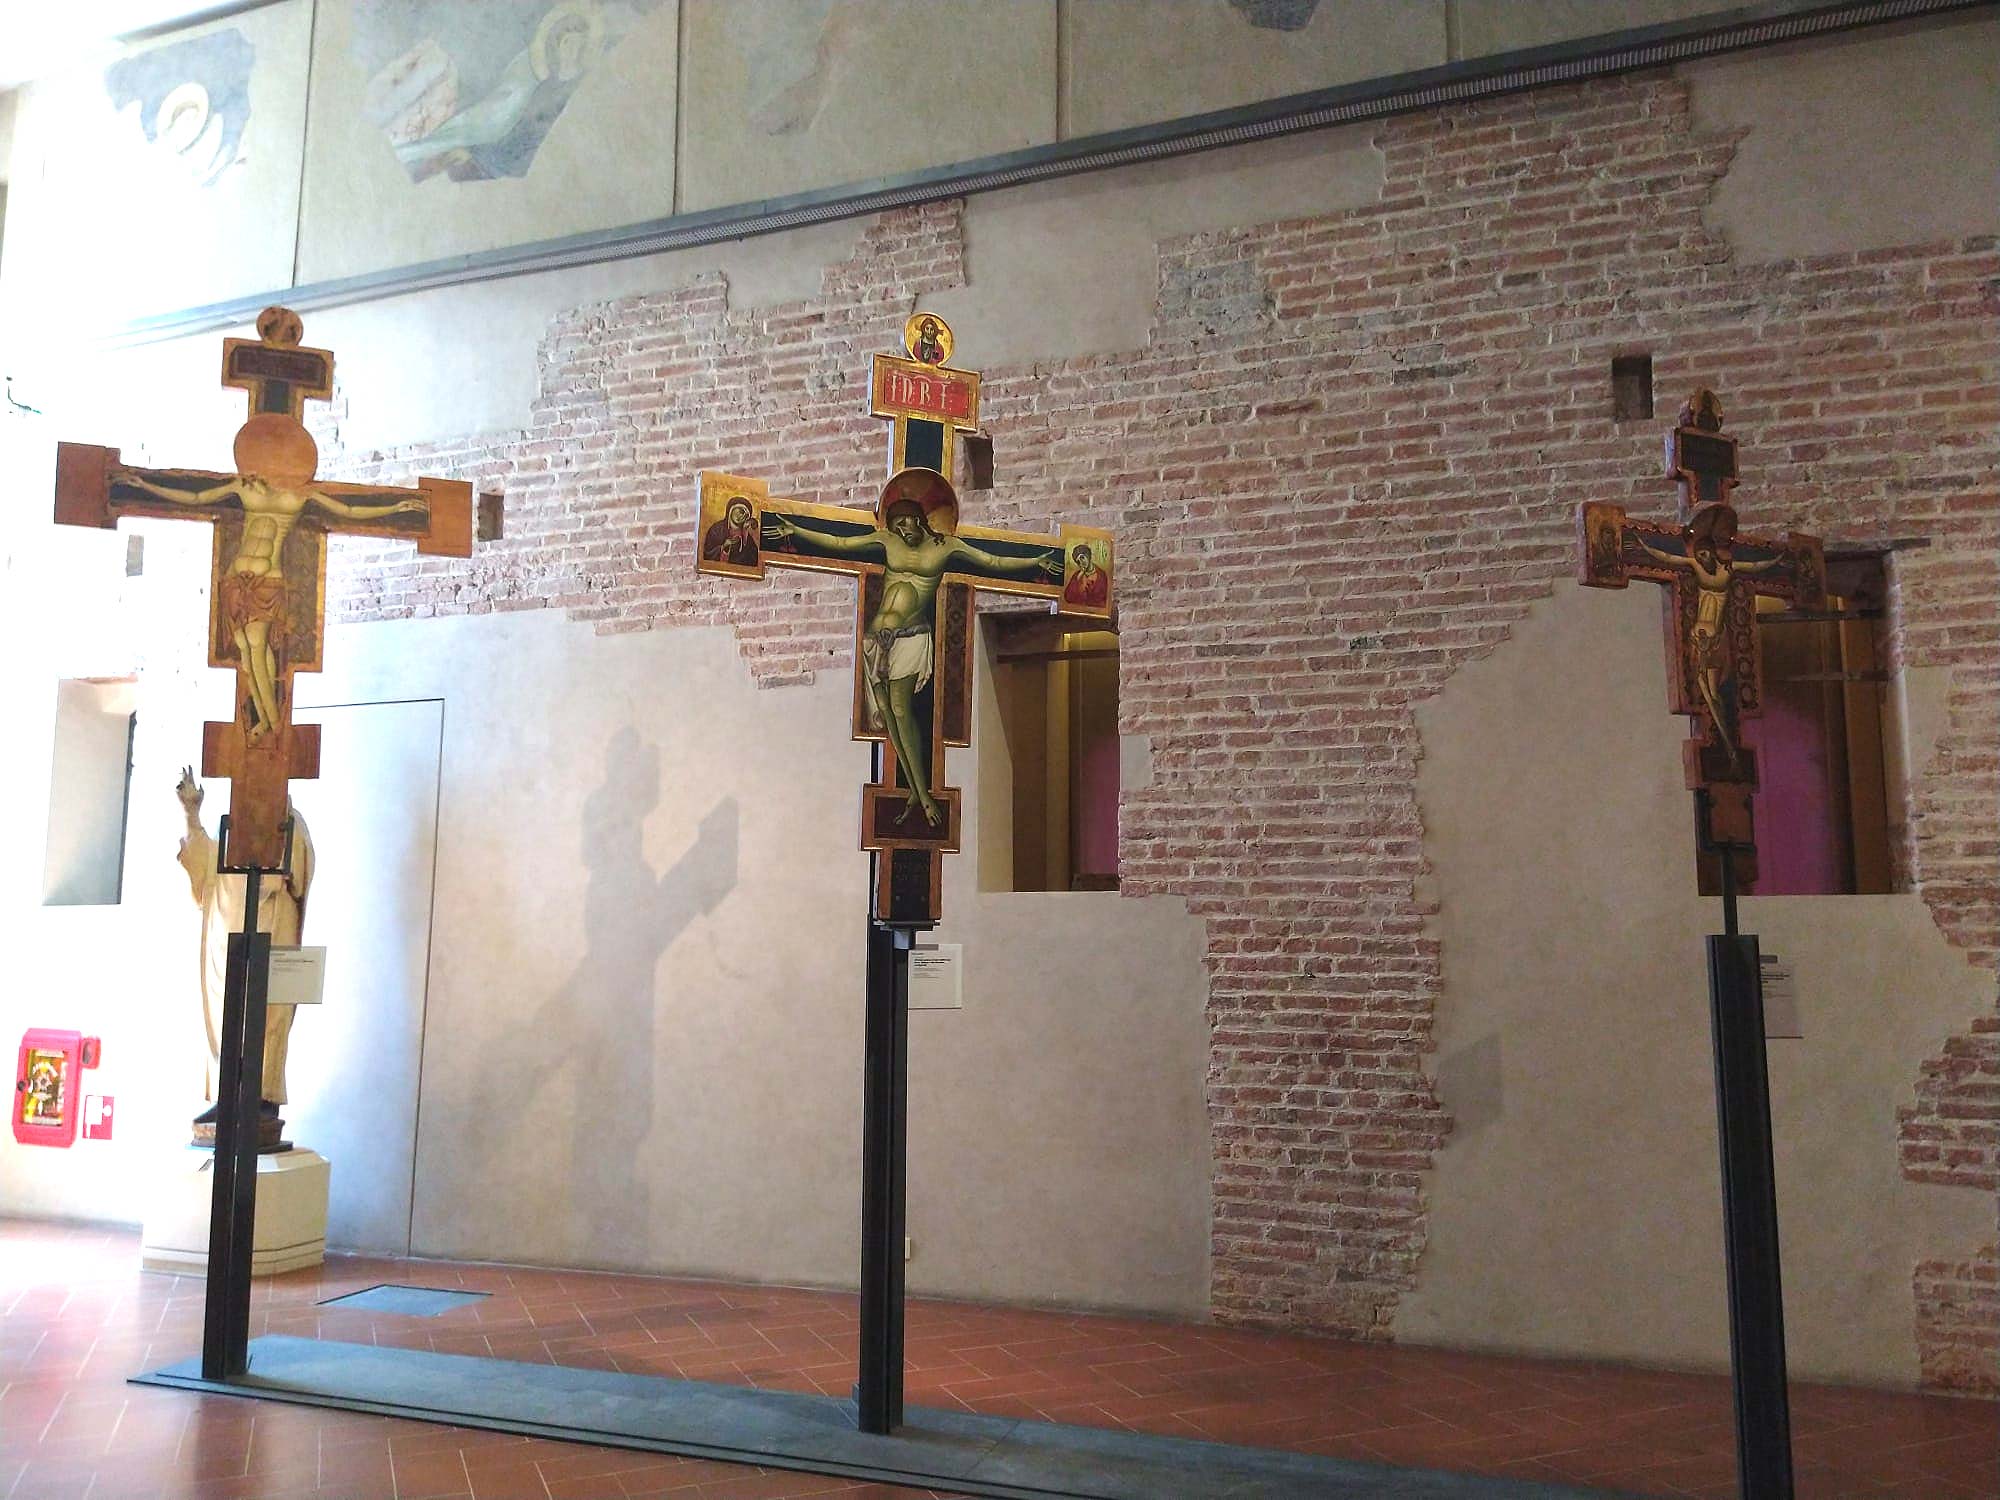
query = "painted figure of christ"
{"x": 898, "y": 649}
{"x": 251, "y": 590}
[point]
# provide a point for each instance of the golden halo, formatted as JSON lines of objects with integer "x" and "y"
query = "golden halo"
{"x": 544, "y": 54}
{"x": 926, "y": 488}
{"x": 181, "y": 117}
{"x": 1712, "y": 525}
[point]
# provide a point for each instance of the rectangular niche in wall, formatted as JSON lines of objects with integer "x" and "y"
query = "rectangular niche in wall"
{"x": 1057, "y": 691}
{"x": 1823, "y": 806}
{"x": 89, "y": 788}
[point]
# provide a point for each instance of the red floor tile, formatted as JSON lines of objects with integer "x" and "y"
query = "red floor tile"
{"x": 77, "y": 1317}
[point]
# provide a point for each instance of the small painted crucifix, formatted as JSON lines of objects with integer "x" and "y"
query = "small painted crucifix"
{"x": 1712, "y": 574}
{"x": 918, "y": 568}
{"x": 267, "y": 597}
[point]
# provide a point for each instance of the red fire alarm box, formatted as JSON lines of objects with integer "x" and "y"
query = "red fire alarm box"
{"x": 47, "y": 1073}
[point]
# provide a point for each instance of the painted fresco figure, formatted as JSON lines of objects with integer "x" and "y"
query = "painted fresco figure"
{"x": 898, "y": 648}
{"x": 281, "y": 910}
{"x": 252, "y": 589}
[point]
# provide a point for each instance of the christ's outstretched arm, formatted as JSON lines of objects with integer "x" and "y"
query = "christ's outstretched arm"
{"x": 180, "y": 497}
{"x": 832, "y": 541}
{"x": 349, "y": 512}
{"x": 1672, "y": 560}
{"x": 1041, "y": 562}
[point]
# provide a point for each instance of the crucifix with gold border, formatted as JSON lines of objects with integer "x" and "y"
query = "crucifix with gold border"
{"x": 917, "y": 566}
{"x": 267, "y": 608}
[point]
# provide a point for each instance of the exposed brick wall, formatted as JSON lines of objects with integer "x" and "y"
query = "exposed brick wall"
{"x": 1952, "y": 1133}
{"x": 1958, "y": 1323}
{"x": 1343, "y": 466}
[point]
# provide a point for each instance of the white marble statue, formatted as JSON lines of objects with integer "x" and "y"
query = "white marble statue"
{"x": 281, "y": 909}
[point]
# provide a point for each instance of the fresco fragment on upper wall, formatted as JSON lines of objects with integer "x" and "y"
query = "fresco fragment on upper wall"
{"x": 190, "y": 99}
{"x": 1126, "y": 68}
{"x": 443, "y": 128}
{"x": 476, "y": 101}
{"x": 788, "y": 95}
{"x": 165, "y": 179}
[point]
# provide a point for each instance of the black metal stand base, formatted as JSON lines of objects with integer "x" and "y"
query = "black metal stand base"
{"x": 232, "y": 1214}
{"x": 1750, "y": 1218}
{"x": 884, "y": 1161}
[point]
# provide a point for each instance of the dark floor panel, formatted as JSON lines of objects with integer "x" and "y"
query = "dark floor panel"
{"x": 974, "y": 1454}
{"x": 407, "y": 1301}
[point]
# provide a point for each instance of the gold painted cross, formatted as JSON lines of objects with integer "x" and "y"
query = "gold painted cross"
{"x": 1711, "y": 575}
{"x": 267, "y": 596}
{"x": 918, "y": 568}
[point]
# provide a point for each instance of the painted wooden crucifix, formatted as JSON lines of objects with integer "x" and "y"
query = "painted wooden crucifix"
{"x": 918, "y": 568}
{"x": 1712, "y": 575}
{"x": 267, "y": 596}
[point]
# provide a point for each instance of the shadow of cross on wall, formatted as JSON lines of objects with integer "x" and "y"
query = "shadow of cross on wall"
{"x": 594, "y": 1039}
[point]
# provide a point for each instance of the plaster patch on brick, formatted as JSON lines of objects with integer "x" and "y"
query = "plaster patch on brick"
{"x": 1202, "y": 299}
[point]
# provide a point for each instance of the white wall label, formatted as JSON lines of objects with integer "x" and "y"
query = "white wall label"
{"x": 298, "y": 976}
{"x": 937, "y": 974}
{"x": 1781, "y": 997}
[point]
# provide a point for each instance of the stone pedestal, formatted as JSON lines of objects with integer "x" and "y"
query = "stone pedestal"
{"x": 291, "y": 1214}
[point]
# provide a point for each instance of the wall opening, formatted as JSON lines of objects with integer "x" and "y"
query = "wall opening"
{"x": 1823, "y": 800}
{"x": 1057, "y": 690}
{"x": 90, "y": 785}
{"x": 1631, "y": 387}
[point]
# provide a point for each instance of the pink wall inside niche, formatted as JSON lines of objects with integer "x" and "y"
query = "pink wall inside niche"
{"x": 1798, "y": 842}
{"x": 1097, "y": 806}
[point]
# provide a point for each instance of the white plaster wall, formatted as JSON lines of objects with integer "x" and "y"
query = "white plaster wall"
{"x": 97, "y": 211}
{"x": 1885, "y": 137}
{"x": 353, "y": 1070}
{"x": 130, "y": 972}
{"x": 1576, "y": 1208}
{"x": 788, "y": 95}
{"x": 1131, "y": 62}
{"x": 1071, "y": 267}
{"x": 1486, "y": 26}
{"x": 9, "y": 102}
{"x": 643, "y": 1045}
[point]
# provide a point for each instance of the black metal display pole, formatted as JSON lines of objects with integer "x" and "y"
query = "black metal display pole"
{"x": 1749, "y": 1206}
{"x": 232, "y": 1214}
{"x": 884, "y": 1164}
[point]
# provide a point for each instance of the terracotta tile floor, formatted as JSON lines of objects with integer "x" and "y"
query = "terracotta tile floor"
{"x": 77, "y": 1317}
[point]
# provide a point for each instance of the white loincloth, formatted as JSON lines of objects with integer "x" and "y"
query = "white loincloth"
{"x": 908, "y": 656}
